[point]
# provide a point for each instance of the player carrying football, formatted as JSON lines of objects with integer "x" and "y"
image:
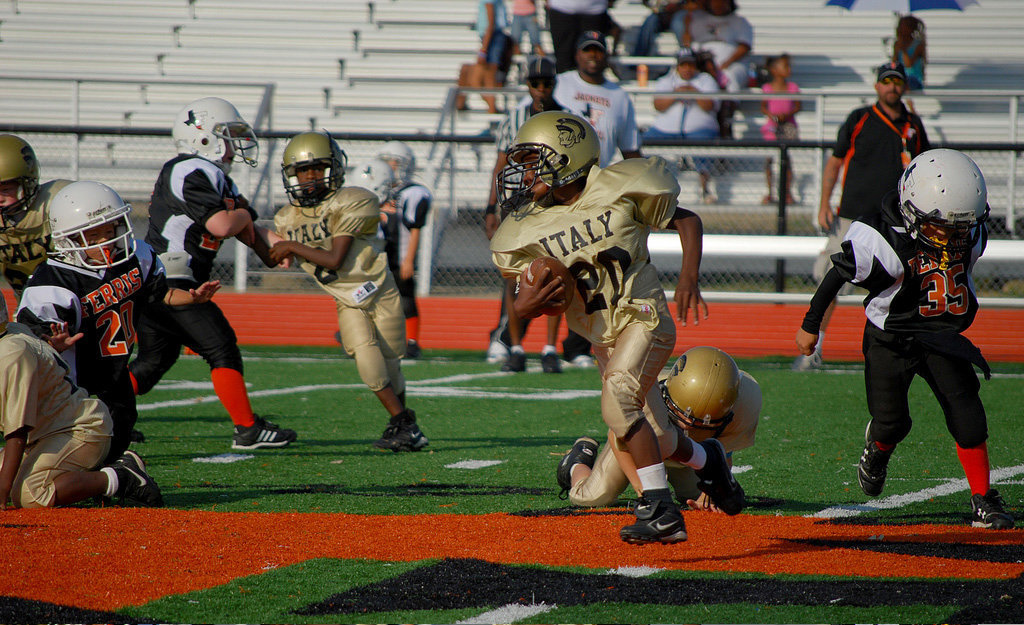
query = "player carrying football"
{"x": 332, "y": 231}
{"x": 915, "y": 259}
{"x": 596, "y": 222}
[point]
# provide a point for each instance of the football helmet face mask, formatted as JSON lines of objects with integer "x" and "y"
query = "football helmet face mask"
{"x": 702, "y": 388}
{"x": 19, "y": 174}
{"x": 375, "y": 175}
{"x": 554, "y": 147}
{"x": 312, "y": 149}
{"x": 81, "y": 207}
{"x": 405, "y": 160}
{"x": 943, "y": 202}
{"x": 214, "y": 129}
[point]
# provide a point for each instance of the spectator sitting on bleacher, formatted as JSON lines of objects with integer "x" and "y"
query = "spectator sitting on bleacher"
{"x": 660, "y": 20}
{"x": 719, "y": 30}
{"x": 494, "y": 55}
{"x": 689, "y": 118}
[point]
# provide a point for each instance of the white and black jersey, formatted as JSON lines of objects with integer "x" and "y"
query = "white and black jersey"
{"x": 412, "y": 205}
{"x": 908, "y": 291}
{"x": 103, "y": 304}
{"x": 189, "y": 190}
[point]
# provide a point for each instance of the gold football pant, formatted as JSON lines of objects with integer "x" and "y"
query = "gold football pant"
{"x": 50, "y": 458}
{"x": 375, "y": 337}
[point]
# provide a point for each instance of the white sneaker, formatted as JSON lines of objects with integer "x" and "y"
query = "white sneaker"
{"x": 583, "y": 361}
{"x": 497, "y": 353}
{"x": 807, "y": 363}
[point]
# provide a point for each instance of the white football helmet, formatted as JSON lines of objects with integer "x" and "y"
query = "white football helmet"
{"x": 213, "y": 128}
{"x": 375, "y": 175}
{"x": 702, "y": 388}
{"x": 944, "y": 189}
{"x": 82, "y": 206}
{"x": 405, "y": 160}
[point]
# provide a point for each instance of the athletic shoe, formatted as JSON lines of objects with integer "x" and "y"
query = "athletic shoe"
{"x": 583, "y": 361}
{"x": 402, "y": 434}
{"x": 413, "y": 350}
{"x": 516, "y": 362}
{"x": 717, "y": 481}
{"x": 989, "y": 511}
{"x": 807, "y": 363}
{"x": 658, "y": 520}
{"x": 497, "y": 352}
{"x": 261, "y": 434}
{"x": 134, "y": 485}
{"x": 871, "y": 471}
{"x": 550, "y": 363}
{"x": 584, "y": 451}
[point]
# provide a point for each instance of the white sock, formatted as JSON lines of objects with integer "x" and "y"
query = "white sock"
{"x": 517, "y": 349}
{"x": 112, "y": 482}
{"x": 699, "y": 457}
{"x": 653, "y": 477}
{"x": 821, "y": 341}
{"x": 549, "y": 349}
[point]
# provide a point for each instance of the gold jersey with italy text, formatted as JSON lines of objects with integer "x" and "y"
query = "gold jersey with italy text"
{"x": 602, "y": 239}
{"x": 25, "y": 245}
{"x": 351, "y": 211}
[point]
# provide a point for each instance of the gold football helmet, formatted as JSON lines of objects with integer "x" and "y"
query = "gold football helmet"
{"x": 702, "y": 388}
{"x": 18, "y": 165}
{"x": 313, "y": 149}
{"x": 557, "y": 147}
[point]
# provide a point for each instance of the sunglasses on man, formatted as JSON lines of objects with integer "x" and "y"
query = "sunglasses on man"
{"x": 892, "y": 80}
{"x": 541, "y": 83}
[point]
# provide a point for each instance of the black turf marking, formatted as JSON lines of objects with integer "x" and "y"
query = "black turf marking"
{"x": 469, "y": 583}
{"x": 956, "y": 551}
{"x": 14, "y": 610}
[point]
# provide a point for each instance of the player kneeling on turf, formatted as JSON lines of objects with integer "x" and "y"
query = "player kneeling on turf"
{"x": 332, "y": 231}
{"x": 915, "y": 259}
{"x": 55, "y": 435}
{"x": 707, "y": 409}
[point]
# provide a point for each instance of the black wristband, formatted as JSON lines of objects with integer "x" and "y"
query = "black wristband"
{"x": 492, "y": 209}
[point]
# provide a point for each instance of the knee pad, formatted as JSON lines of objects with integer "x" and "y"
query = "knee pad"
{"x": 621, "y": 402}
{"x": 373, "y": 369}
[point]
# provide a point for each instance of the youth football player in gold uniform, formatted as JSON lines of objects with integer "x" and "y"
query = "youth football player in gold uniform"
{"x": 331, "y": 230}
{"x": 596, "y": 222}
{"x": 24, "y": 230}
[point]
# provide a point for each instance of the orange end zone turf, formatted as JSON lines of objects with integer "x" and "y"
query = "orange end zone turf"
{"x": 173, "y": 551}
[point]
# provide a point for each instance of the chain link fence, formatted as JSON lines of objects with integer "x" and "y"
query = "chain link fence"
{"x": 455, "y": 259}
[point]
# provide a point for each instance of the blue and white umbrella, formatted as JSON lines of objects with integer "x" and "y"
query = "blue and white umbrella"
{"x": 901, "y": 6}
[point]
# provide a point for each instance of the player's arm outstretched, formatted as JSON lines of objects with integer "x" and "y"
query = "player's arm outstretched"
{"x": 199, "y": 295}
{"x": 688, "y": 296}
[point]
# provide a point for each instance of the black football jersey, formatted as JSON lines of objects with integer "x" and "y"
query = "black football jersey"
{"x": 908, "y": 291}
{"x": 188, "y": 191}
{"x": 103, "y": 304}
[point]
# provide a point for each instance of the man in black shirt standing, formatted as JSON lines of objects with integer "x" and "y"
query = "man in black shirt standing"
{"x": 874, "y": 145}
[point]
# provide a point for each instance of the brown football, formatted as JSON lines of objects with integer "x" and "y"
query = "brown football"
{"x": 536, "y": 269}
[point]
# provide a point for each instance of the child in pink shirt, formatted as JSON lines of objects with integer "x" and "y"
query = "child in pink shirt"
{"x": 781, "y": 114}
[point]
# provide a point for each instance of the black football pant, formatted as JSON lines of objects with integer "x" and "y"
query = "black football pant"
{"x": 890, "y": 363}
{"x": 119, "y": 398}
{"x": 203, "y": 328}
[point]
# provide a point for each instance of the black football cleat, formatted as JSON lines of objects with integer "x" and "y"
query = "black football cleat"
{"x": 584, "y": 451}
{"x": 402, "y": 434}
{"x": 135, "y": 486}
{"x": 988, "y": 511}
{"x": 550, "y": 363}
{"x": 658, "y": 520}
{"x": 516, "y": 362}
{"x": 873, "y": 466}
{"x": 717, "y": 482}
{"x": 262, "y": 434}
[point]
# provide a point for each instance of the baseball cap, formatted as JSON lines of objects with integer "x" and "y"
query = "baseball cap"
{"x": 891, "y": 69}
{"x": 686, "y": 55}
{"x": 540, "y": 67}
{"x": 591, "y": 38}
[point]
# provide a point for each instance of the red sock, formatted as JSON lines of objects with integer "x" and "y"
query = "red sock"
{"x": 884, "y": 446}
{"x": 230, "y": 388}
{"x": 412, "y": 329}
{"x": 975, "y": 463}
{"x": 135, "y": 383}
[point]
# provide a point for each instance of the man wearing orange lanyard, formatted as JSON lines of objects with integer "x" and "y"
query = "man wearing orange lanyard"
{"x": 873, "y": 147}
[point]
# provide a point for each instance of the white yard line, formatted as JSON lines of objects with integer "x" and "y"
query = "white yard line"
{"x": 898, "y": 501}
{"x": 510, "y": 613}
